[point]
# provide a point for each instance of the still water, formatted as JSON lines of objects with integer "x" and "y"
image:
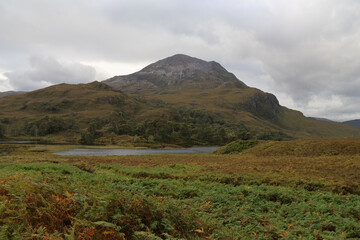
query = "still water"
{"x": 109, "y": 152}
{"x": 19, "y": 142}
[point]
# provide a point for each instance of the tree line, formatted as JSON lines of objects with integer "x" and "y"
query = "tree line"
{"x": 180, "y": 126}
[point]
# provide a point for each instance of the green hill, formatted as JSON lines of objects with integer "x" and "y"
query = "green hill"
{"x": 64, "y": 109}
{"x": 83, "y": 100}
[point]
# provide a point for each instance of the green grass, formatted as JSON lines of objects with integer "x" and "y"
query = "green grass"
{"x": 43, "y": 196}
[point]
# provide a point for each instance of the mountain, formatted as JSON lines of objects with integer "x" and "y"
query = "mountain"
{"x": 184, "y": 81}
{"x": 3, "y": 94}
{"x": 178, "y": 100}
{"x": 176, "y": 72}
{"x": 355, "y": 123}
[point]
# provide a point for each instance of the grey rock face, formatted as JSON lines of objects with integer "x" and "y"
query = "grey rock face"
{"x": 263, "y": 105}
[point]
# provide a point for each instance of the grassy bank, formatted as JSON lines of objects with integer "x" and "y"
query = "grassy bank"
{"x": 43, "y": 196}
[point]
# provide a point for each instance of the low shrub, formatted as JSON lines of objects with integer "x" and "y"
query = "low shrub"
{"x": 237, "y": 146}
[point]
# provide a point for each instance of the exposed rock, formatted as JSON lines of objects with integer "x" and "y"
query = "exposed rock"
{"x": 263, "y": 105}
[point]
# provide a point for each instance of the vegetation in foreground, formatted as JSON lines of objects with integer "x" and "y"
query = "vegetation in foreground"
{"x": 43, "y": 196}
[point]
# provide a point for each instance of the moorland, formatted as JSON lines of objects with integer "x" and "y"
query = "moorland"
{"x": 271, "y": 190}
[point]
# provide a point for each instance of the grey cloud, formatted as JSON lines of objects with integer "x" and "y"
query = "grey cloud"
{"x": 299, "y": 48}
{"x": 48, "y": 71}
{"x": 335, "y": 107}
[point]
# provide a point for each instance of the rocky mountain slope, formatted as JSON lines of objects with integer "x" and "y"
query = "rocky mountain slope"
{"x": 176, "y": 72}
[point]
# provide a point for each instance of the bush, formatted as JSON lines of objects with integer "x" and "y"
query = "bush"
{"x": 44, "y": 209}
{"x": 237, "y": 146}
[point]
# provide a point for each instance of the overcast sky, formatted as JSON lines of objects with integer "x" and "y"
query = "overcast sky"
{"x": 306, "y": 52}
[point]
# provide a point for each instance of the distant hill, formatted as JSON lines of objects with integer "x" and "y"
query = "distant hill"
{"x": 3, "y": 94}
{"x": 323, "y": 119}
{"x": 178, "y": 100}
{"x": 355, "y": 123}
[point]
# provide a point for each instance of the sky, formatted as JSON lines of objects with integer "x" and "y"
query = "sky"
{"x": 306, "y": 52}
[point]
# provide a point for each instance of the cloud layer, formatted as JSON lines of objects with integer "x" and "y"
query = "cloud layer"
{"x": 304, "y": 51}
{"x": 49, "y": 71}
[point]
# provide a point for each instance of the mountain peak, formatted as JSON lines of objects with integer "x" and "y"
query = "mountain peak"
{"x": 180, "y": 71}
{"x": 178, "y": 66}
{"x": 181, "y": 58}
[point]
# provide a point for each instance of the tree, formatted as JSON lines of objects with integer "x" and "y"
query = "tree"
{"x": 93, "y": 126}
{"x": 91, "y": 133}
{"x": 2, "y": 130}
{"x": 47, "y": 125}
{"x": 220, "y": 136}
{"x": 87, "y": 138}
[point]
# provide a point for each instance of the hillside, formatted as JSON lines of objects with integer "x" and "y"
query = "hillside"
{"x": 83, "y": 100}
{"x": 66, "y": 108}
{"x": 355, "y": 123}
{"x": 178, "y": 100}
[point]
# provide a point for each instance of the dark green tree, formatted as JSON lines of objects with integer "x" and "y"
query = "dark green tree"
{"x": 2, "y": 130}
{"x": 87, "y": 138}
{"x": 93, "y": 126}
{"x": 220, "y": 136}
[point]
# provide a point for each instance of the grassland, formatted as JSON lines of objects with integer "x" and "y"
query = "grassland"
{"x": 212, "y": 196}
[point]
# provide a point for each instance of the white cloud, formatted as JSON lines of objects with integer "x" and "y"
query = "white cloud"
{"x": 4, "y": 83}
{"x": 48, "y": 71}
{"x": 105, "y": 69}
